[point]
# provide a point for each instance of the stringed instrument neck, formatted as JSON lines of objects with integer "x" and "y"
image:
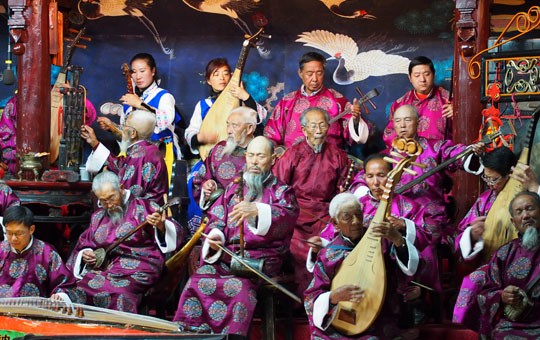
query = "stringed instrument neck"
{"x": 216, "y": 118}
{"x": 126, "y": 71}
{"x": 499, "y": 228}
{"x": 364, "y": 266}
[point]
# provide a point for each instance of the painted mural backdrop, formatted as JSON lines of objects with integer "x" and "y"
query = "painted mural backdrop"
{"x": 368, "y": 43}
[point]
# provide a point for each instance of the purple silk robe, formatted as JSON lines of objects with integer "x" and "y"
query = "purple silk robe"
{"x": 38, "y": 271}
{"x": 430, "y": 192}
{"x": 479, "y": 304}
{"x": 481, "y": 207}
{"x": 7, "y": 198}
{"x": 221, "y": 168}
{"x": 431, "y": 124}
{"x": 315, "y": 178}
{"x": 214, "y": 299}
{"x": 142, "y": 171}
{"x": 134, "y": 266}
{"x": 8, "y": 134}
{"x": 328, "y": 263}
{"x": 283, "y": 126}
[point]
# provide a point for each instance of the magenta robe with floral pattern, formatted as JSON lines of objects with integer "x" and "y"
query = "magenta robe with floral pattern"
{"x": 479, "y": 304}
{"x": 38, "y": 271}
{"x": 216, "y": 300}
{"x": 134, "y": 266}
{"x": 284, "y": 128}
{"x": 431, "y": 124}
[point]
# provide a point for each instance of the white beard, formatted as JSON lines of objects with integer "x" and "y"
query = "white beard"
{"x": 254, "y": 183}
{"x": 116, "y": 214}
{"x": 232, "y": 144}
{"x": 124, "y": 144}
{"x": 530, "y": 238}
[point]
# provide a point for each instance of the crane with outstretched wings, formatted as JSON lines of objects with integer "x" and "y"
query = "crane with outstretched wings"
{"x": 352, "y": 65}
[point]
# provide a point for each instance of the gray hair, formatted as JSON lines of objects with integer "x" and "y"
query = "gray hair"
{"x": 410, "y": 108}
{"x": 339, "y": 201}
{"x": 105, "y": 177}
{"x": 143, "y": 122}
{"x": 303, "y": 119}
{"x": 249, "y": 116}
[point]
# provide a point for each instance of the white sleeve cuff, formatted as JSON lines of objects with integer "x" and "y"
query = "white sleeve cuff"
{"x": 264, "y": 219}
{"x": 321, "y": 306}
{"x": 410, "y": 229}
{"x": 206, "y": 247}
{"x": 363, "y": 131}
{"x": 170, "y": 237}
{"x": 310, "y": 261}
{"x": 467, "y": 166}
{"x": 97, "y": 159}
{"x": 412, "y": 265}
{"x": 465, "y": 245}
{"x": 79, "y": 272}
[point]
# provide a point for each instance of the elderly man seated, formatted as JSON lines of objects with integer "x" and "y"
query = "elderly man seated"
{"x": 216, "y": 299}
{"x": 133, "y": 266}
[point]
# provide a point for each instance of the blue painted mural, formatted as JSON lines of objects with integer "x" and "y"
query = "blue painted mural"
{"x": 183, "y": 35}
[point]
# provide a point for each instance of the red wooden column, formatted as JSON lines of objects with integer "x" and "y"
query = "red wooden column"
{"x": 34, "y": 89}
{"x": 471, "y": 36}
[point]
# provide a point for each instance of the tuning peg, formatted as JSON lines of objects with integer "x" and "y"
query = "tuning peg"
{"x": 396, "y": 154}
{"x": 390, "y": 160}
{"x": 410, "y": 171}
{"x": 420, "y": 165}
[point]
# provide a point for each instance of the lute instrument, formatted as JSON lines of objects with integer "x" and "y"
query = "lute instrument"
{"x": 498, "y": 228}
{"x": 102, "y": 254}
{"x": 216, "y": 118}
{"x": 364, "y": 266}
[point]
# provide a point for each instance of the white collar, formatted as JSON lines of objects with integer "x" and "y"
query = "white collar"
{"x": 25, "y": 249}
{"x": 303, "y": 91}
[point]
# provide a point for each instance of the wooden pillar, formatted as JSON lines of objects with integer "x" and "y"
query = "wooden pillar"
{"x": 471, "y": 36}
{"x": 33, "y": 70}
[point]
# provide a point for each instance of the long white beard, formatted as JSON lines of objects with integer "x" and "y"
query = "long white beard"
{"x": 254, "y": 183}
{"x": 530, "y": 238}
{"x": 232, "y": 144}
{"x": 124, "y": 143}
{"x": 116, "y": 214}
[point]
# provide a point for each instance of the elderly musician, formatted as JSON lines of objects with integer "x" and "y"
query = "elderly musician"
{"x": 257, "y": 214}
{"x": 506, "y": 304}
{"x": 284, "y": 127}
{"x": 227, "y": 158}
{"x": 321, "y": 300}
{"x": 430, "y": 192}
{"x": 142, "y": 170}
{"x": 406, "y": 215}
{"x": 133, "y": 265}
{"x": 435, "y": 110}
{"x": 315, "y": 169}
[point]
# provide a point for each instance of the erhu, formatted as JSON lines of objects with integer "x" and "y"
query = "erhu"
{"x": 238, "y": 268}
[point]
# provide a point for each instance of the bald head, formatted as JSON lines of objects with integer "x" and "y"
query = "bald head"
{"x": 260, "y": 155}
{"x": 143, "y": 122}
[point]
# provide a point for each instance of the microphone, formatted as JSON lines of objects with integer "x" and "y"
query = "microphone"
{"x": 8, "y": 76}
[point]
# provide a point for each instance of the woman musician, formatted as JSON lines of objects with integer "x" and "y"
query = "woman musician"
{"x": 147, "y": 95}
{"x": 217, "y": 76}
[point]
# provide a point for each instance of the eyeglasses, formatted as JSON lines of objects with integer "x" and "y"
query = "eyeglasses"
{"x": 17, "y": 234}
{"x": 491, "y": 180}
{"x": 314, "y": 127}
{"x": 112, "y": 198}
